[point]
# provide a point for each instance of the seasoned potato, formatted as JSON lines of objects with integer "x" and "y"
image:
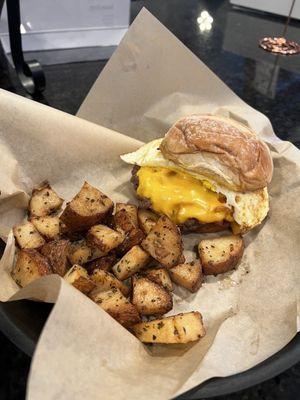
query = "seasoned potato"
{"x": 106, "y": 281}
{"x": 80, "y": 253}
{"x": 180, "y": 328}
{"x": 116, "y": 305}
{"x": 188, "y": 275}
{"x": 149, "y": 297}
{"x": 164, "y": 243}
{"x": 30, "y": 265}
{"x": 131, "y": 211}
{"x": 134, "y": 260}
{"x": 27, "y": 236}
{"x": 126, "y": 221}
{"x": 48, "y": 226}
{"x": 44, "y": 201}
{"x": 79, "y": 278}
{"x": 105, "y": 263}
{"x": 221, "y": 254}
{"x": 104, "y": 238}
{"x": 160, "y": 276}
{"x": 89, "y": 207}
{"x": 132, "y": 238}
{"x": 57, "y": 255}
{"x": 73, "y": 236}
{"x": 147, "y": 219}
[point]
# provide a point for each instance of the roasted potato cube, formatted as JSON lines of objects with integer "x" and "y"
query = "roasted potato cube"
{"x": 149, "y": 297}
{"x": 79, "y": 278}
{"x": 80, "y": 253}
{"x": 134, "y": 260}
{"x": 188, "y": 275}
{"x": 105, "y": 263}
{"x": 30, "y": 265}
{"x": 220, "y": 254}
{"x": 73, "y": 236}
{"x": 160, "y": 276}
{"x": 126, "y": 221}
{"x": 106, "y": 281}
{"x": 88, "y": 207}
{"x": 131, "y": 211}
{"x": 164, "y": 243}
{"x": 132, "y": 238}
{"x": 147, "y": 219}
{"x": 180, "y": 328}
{"x": 104, "y": 238}
{"x": 44, "y": 201}
{"x": 57, "y": 255}
{"x": 116, "y": 305}
{"x": 48, "y": 226}
{"x": 27, "y": 236}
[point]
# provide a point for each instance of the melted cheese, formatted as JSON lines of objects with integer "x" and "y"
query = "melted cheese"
{"x": 180, "y": 196}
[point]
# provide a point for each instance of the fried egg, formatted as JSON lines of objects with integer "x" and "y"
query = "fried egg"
{"x": 183, "y": 194}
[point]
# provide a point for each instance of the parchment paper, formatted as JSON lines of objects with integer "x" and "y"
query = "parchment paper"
{"x": 249, "y": 314}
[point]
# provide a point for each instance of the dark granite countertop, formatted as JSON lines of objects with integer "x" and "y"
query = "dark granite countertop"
{"x": 269, "y": 83}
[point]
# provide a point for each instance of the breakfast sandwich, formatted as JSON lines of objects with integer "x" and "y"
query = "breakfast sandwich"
{"x": 207, "y": 174}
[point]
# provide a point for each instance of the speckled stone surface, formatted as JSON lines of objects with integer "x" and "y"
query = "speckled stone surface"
{"x": 270, "y": 84}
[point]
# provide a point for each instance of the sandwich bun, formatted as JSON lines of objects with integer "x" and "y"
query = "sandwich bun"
{"x": 218, "y": 171}
{"x": 220, "y": 149}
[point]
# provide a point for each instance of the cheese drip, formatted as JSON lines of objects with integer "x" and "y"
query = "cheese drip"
{"x": 180, "y": 196}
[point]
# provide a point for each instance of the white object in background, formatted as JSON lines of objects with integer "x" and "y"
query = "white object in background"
{"x": 280, "y": 7}
{"x": 69, "y": 24}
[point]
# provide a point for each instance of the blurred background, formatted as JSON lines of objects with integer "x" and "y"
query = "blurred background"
{"x": 52, "y": 51}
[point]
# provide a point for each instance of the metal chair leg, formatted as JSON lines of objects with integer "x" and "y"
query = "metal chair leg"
{"x": 30, "y": 73}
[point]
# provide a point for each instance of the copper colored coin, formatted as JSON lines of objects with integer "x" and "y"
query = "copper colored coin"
{"x": 279, "y": 45}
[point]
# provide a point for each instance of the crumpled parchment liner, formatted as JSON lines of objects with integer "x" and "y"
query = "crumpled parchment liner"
{"x": 251, "y": 313}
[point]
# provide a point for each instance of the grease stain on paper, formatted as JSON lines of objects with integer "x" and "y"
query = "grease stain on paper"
{"x": 235, "y": 277}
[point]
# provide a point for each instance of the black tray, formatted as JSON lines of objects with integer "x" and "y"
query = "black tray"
{"x": 22, "y": 322}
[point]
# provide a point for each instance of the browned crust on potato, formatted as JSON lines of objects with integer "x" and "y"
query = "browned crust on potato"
{"x": 233, "y": 254}
{"x": 44, "y": 187}
{"x": 48, "y": 226}
{"x": 57, "y": 255}
{"x": 75, "y": 222}
{"x": 133, "y": 261}
{"x": 106, "y": 281}
{"x": 78, "y": 277}
{"x": 127, "y": 314}
{"x": 188, "y": 275}
{"x": 164, "y": 243}
{"x": 149, "y": 297}
{"x": 105, "y": 263}
{"x": 104, "y": 238}
{"x": 30, "y": 265}
{"x": 147, "y": 219}
{"x": 27, "y": 236}
{"x": 115, "y": 304}
{"x": 181, "y": 328}
{"x": 88, "y": 197}
{"x": 80, "y": 253}
{"x": 160, "y": 276}
{"x": 125, "y": 220}
{"x": 84, "y": 285}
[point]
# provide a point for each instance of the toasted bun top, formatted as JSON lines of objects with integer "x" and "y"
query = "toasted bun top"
{"x": 221, "y": 149}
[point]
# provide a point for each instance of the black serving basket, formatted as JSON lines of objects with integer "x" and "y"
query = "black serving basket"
{"x": 23, "y": 321}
